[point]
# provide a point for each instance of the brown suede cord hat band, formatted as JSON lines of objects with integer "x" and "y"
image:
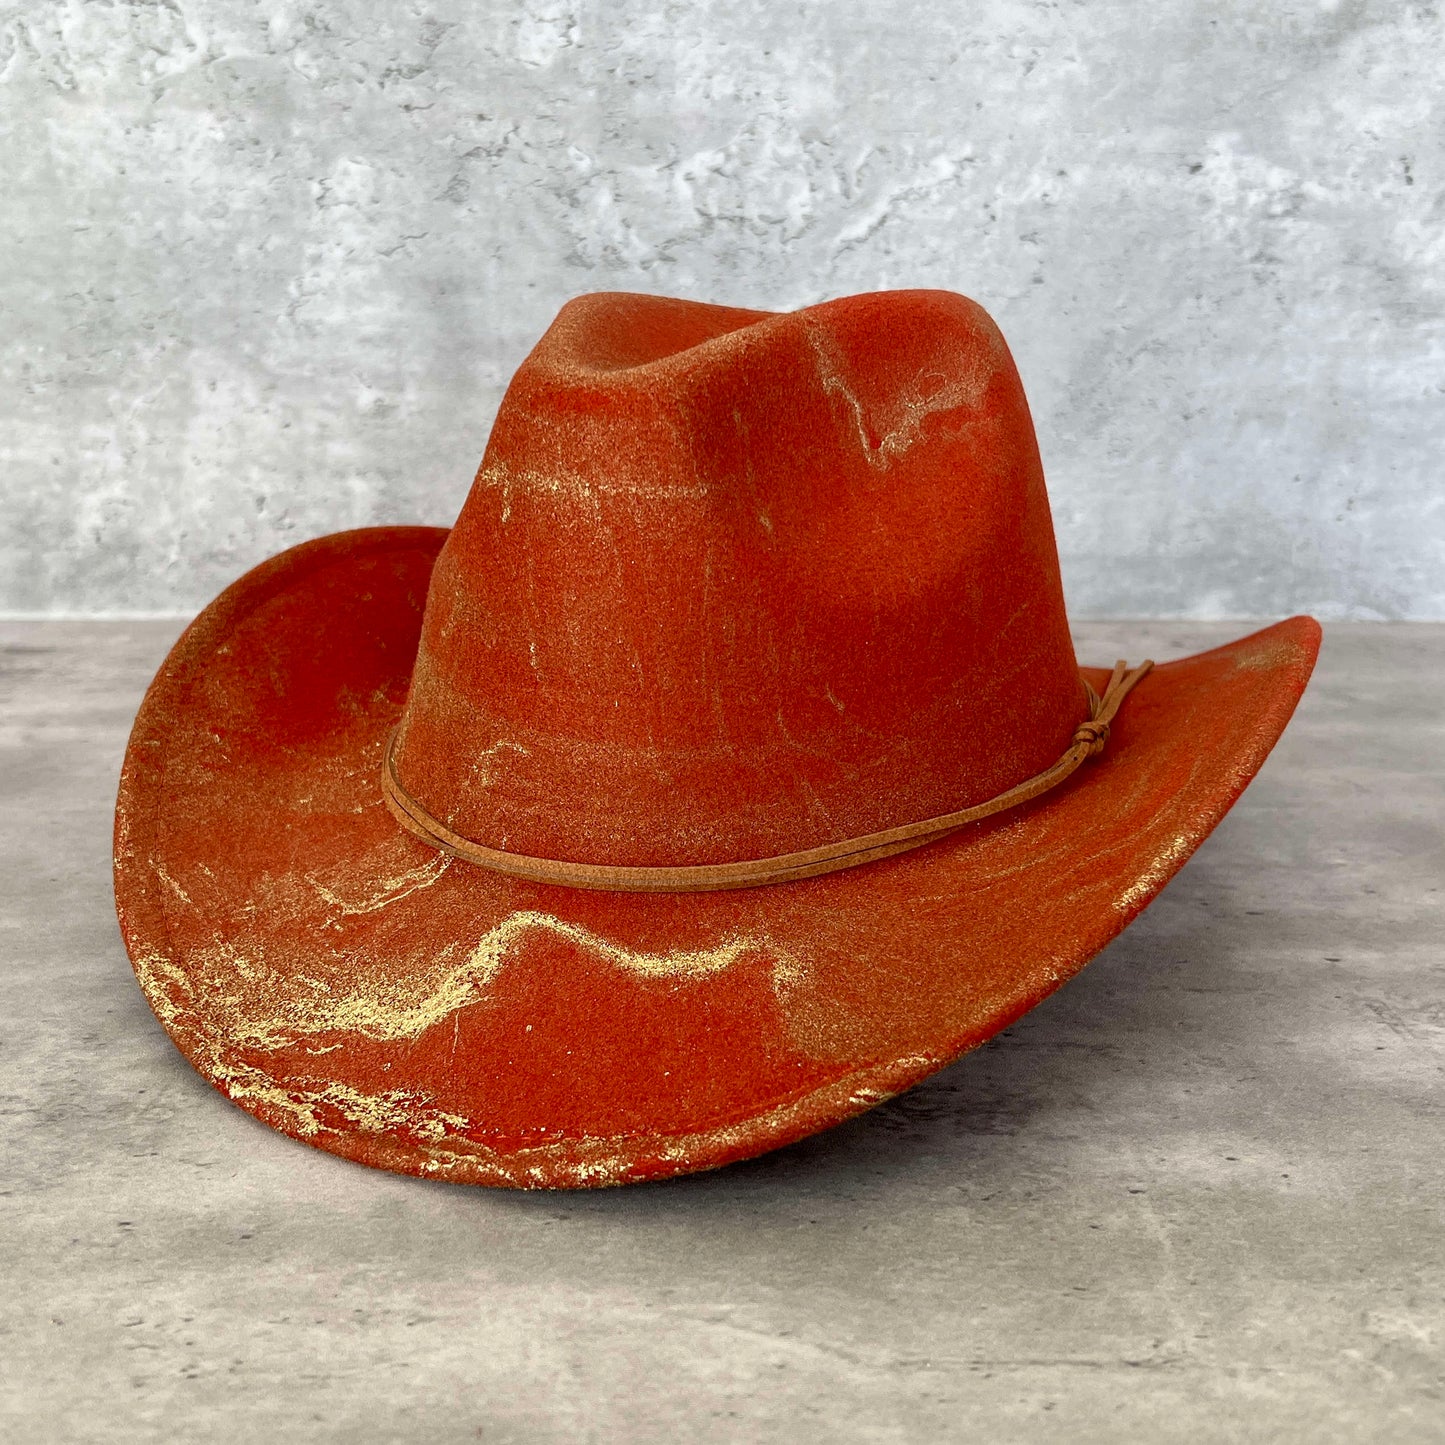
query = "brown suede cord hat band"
{"x": 1089, "y": 739}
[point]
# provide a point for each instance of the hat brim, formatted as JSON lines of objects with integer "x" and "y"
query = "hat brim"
{"x": 353, "y": 988}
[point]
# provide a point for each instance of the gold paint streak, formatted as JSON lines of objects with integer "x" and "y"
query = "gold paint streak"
{"x": 394, "y": 1110}
{"x": 148, "y": 970}
{"x": 1269, "y": 655}
{"x": 513, "y": 480}
{"x": 960, "y": 393}
{"x": 406, "y": 1008}
{"x": 173, "y": 885}
{"x": 375, "y": 1113}
{"x": 483, "y": 765}
{"x": 489, "y": 954}
{"x": 963, "y": 391}
{"x": 392, "y": 889}
{"x": 1154, "y": 877}
{"x": 402, "y": 1010}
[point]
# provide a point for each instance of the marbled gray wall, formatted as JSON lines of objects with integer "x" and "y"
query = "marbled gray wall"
{"x": 265, "y": 268}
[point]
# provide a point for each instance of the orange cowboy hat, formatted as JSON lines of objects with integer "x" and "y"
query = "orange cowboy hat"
{"x": 723, "y": 771}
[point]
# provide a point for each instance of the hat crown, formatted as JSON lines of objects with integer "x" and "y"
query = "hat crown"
{"x": 732, "y": 583}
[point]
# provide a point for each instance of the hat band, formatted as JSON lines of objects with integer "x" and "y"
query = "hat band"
{"x": 1089, "y": 739}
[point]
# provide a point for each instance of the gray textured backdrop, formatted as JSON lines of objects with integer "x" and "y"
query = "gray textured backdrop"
{"x": 265, "y": 268}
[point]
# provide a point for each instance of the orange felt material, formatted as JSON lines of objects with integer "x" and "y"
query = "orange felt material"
{"x": 727, "y": 583}
{"x": 793, "y": 584}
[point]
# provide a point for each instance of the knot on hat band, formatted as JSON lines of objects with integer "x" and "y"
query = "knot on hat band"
{"x": 1090, "y": 738}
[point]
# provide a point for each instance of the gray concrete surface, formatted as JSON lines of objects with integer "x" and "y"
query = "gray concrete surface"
{"x": 1196, "y": 1195}
{"x": 265, "y": 269}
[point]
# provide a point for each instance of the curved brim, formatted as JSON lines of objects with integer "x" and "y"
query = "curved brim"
{"x": 363, "y": 993}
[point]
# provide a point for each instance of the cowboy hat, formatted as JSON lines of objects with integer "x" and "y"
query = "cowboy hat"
{"x": 725, "y": 770}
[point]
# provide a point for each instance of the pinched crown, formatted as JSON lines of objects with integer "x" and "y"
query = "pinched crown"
{"x": 736, "y": 583}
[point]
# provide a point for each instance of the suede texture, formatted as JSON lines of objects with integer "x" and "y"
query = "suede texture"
{"x": 370, "y": 996}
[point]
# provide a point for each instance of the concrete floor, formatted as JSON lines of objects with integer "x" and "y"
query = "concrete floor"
{"x": 1198, "y": 1194}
